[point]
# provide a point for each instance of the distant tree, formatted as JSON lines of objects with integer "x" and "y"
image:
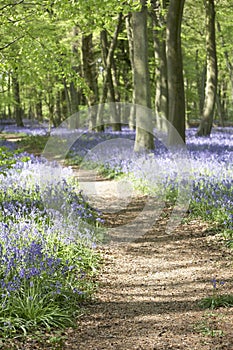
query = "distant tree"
{"x": 108, "y": 59}
{"x": 142, "y": 96}
{"x": 159, "y": 39}
{"x": 176, "y": 96}
{"x": 18, "y": 112}
{"x": 211, "y": 73}
{"x": 90, "y": 75}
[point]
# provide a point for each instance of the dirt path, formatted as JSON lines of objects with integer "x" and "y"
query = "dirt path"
{"x": 149, "y": 292}
{"x": 149, "y": 289}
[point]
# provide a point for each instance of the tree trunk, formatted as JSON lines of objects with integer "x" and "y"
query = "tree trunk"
{"x": 176, "y": 104}
{"x": 211, "y": 74}
{"x": 74, "y": 103}
{"x": 39, "y": 107}
{"x": 17, "y": 102}
{"x": 107, "y": 74}
{"x": 228, "y": 62}
{"x": 159, "y": 32}
{"x": 132, "y": 120}
{"x": 200, "y": 81}
{"x": 57, "y": 110}
{"x": 144, "y": 129}
{"x": 74, "y": 92}
{"x": 50, "y": 108}
{"x": 115, "y": 118}
{"x": 90, "y": 75}
{"x": 220, "y": 108}
{"x": 9, "y": 113}
{"x": 66, "y": 100}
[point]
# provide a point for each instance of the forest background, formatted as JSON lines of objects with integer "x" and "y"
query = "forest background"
{"x": 58, "y": 57}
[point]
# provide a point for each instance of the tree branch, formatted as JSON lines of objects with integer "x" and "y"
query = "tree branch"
{"x": 12, "y": 5}
{"x": 11, "y": 43}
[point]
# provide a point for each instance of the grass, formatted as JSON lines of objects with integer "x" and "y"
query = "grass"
{"x": 208, "y": 328}
{"x": 218, "y": 298}
{"x": 33, "y": 144}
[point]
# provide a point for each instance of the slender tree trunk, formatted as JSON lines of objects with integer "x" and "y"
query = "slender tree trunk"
{"x": 224, "y": 98}
{"x": 17, "y": 101}
{"x": 51, "y": 108}
{"x": 9, "y": 113}
{"x": 220, "y": 108}
{"x": 30, "y": 113}
{"x": 228, "y": 62}
{"x": 57, "y": 117}
{"x": 107, "y": 74}
{"x": 159, "y": 33}
{"x": 211, "y": 75}
{"x": 64, "y": 105}
{"x": 116, "y": 125}
{"x": 144, "y": 129}
{"x": 132, "y": 120}
{"x": 67, "y": 99}
{"x": 74, "y": 103}
{"x": 200, "y": 81}
{"x": 74, "y": 92}
{"x": 116, "y": 82}
{"x": 90, "y": 75}
{"x": 176, "y": 105}
{"x": 39, "y": 107}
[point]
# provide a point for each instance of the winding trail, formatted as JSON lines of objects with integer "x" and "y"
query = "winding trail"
{"x": 149, "y": 289}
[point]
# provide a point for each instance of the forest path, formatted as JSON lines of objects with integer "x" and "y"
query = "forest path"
{"x": 149, "y": 290}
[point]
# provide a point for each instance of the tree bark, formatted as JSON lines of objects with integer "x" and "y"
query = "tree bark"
{"x": 107, "y": 73}
{"x": 50, "y": 108}
{"x": 74, "y": 103}
{"x": 228, "y": 62}
{"x": 132, "y": 120}
{"x": 57, "y": 110}
{"x": 144, "y": 129}
{"x": 220, "y": 108}
{"x": 115, "y": 117}
{"x": 159, "y": 33}
{"x": 176, "y": 103}
{"x": 18, "y": 112}
{"x": 90, "y": 75}
{"x": 39, "y": 107}
{"x": 200, "y": 81}
{"x": 74, "y": 92}
{"x": 211, "y": 74}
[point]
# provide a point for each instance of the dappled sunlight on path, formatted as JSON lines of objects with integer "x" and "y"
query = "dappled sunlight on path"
{"x": 149, "y": 289}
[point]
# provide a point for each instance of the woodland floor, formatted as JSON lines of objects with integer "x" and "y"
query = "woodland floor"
{"x": 149, "y": 291}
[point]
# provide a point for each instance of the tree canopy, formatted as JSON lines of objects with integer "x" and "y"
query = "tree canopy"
{"x": 49, "y": 48}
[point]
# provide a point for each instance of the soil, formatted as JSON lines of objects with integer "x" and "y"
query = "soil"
{"x": 149, "y": 294}
{"x": 149, "y": 290}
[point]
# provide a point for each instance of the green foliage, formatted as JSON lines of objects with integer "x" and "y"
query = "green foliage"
{"x": 45, "y": 273}
{"x": 73, "y": 159}
{"x": 227, "y": 234}
{"x": 38, "y": 44}
{"x": 108, "y": 172}
{"x": 217, "y": 299}
{"x": 207, "y": 327}
{"x": 8, "y": 159}
{"x": 33, "y": 143}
